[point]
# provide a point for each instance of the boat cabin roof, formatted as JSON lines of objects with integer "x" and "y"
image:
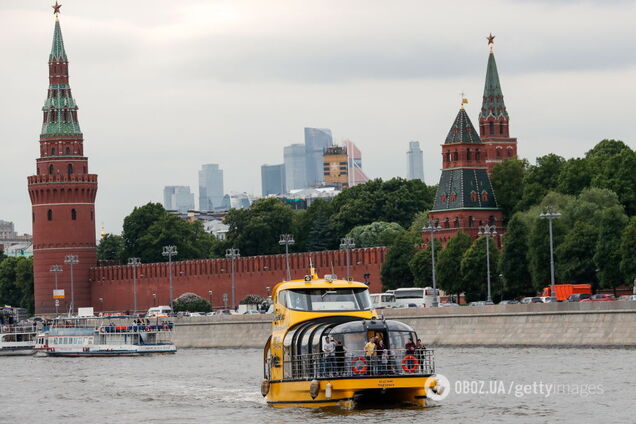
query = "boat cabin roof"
{"x": 317, "y": 283}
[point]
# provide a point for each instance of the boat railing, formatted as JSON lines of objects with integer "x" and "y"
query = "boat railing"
{"x": 12, "y": 329}
{"x": 113, "y": 326}
{"x": 357, "y": 364}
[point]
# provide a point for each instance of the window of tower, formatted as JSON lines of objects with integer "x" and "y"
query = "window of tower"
{"x": 456, "y": 222}
{"x": 53, "y": 151}
{"x": 498, "y": 152}
{"x": 455, "y": 155}
{"x": 52, "y": 116}
{"x": 447, "y": 223}
{"x": 68, "y": 151}
{"x": 49, "y": 215}
{"x": 44, "y": 117}
{"x": 501, "y": 128}
{"x": 473, "y": 196}
{"x": 477, "y": 155}
{"x": 492, "y": 127}
{"x": 509, "y": 152}
{"x": 468, "y": 154}
{"x": 51, "y": 169}
{"x": 484, "y": 196}
{"x": 69, "y": 169}
{"x": 471, "y": 221}
{"x": 73, "y": 214}
{"x": 74, "y": 114}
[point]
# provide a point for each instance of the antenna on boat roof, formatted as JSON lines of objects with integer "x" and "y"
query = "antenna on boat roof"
{"x": 312, "y": 270}
{"x": 332, "y": 271}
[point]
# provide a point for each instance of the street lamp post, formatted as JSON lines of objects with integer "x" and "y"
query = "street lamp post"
{"x": 134, "y": 262}
{"x": 170, "y": 251}
{"x": 550, "y": 214}
{"x": 287, "y": 240}
{"x": 154, "y": 299}
{"x": 488, "y": 231}
{"x": 347, "y": 244}
{"x": 72, "y": 260}
{"x": 210, "y": 298}
{"x": 56, "y": 269}
{"x": 232, "y": 254}
{"x": 433, "y": 226}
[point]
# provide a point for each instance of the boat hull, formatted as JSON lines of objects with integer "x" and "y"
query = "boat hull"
{"x": 349, "y": 393}
{"x": 95, "y": 351}
{"x": 21, "y": 351}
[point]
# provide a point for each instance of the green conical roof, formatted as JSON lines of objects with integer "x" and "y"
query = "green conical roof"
{"x": 462, "y": 130}
{"x": 493, "y": 102}
{"x": 57, "y": 50}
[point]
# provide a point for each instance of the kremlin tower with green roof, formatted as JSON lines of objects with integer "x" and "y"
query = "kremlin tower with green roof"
{"x": 62, "y": 194}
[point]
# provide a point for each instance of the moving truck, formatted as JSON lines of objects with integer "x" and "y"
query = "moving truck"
{"x": 563, "y": 291}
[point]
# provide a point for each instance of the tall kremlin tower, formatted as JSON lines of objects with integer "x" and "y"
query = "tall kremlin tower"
{"x": 494, "y": 122}
{"x": 62, "y": 194}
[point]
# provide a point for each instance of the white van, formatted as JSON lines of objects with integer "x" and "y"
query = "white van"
{"x": 383, "y": 300}
{"x": 159, "y": 312}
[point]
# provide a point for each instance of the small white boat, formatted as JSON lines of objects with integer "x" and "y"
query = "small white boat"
{"x": 16, "y": 338}
{"x": 105, "y": 336}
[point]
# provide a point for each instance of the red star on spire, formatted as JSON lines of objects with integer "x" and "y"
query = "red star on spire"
{"x": 491, "y": 39}
{"x": 56, "y": 8}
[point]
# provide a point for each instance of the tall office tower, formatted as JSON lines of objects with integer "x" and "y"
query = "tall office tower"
{"x": 414, "y": 162}
{"x": 62, "y": 194}
{"x": 178, "y": 198}
{"x": 316, "y": 141}
{"x": 210, "y": 187}
{"x": 273, "y": 179}
{"x": 295, "y": 174}
{"x": 354, "y": 158}
{"x": 336, "y": 167}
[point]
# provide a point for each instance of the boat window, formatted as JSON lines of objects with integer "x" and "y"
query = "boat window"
{"x": 409, "y": 293}
{"x": 398, "y": 339}
{"x": 326, "y": 299}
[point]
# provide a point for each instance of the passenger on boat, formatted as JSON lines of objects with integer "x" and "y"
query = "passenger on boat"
{"x": 381, "y": 355}
{"x": 410, "y": 353}
{"x": 419, "y": 351}
{"x": 340, "y": 357}
{"x": 369, "y": 352}
{"x": 329, "y": 348}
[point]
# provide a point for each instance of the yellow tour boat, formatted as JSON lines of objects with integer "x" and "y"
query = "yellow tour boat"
{"x": 325, "y": 350}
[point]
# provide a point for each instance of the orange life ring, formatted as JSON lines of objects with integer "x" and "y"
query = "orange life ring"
{"x": 414, "y": 364}
{"x": 359, "y": 370}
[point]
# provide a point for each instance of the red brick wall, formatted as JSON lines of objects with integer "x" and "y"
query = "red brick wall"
{"x": 112, "y": 286}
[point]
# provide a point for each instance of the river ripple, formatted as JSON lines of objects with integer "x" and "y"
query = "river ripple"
{"x": 222, "y": 386}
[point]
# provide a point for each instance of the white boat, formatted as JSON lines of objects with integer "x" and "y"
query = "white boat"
{"x": 16, "y": 338}
{"x": 105, "y": 336}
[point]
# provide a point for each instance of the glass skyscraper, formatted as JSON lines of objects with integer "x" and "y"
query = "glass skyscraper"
{"x": 414, "y": 162}
{"x": 210, "y": 187}
{"x": 178, "y": 198}
{"x": 295, "y": 173}
{"x": 316, "y": 141}
{"x": 273, "y": 179}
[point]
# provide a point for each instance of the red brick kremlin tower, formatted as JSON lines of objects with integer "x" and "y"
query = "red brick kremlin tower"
{"x": 465, "y": 198}
{"x": 62, "y": 193}
{"x": 494, "y": 122}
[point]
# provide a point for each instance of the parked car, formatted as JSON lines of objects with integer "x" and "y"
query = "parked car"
{"x": 630, "y": 297}
{"x": 600, "y": 298}
{"x": 481, "y": 303}
{"x": 546, "y": 299}
{"x": 225, "y": 312}
{"x": 527, "y": 300}
{"x": 577, "y": 297}
{"x": 196, "y": 314}
{"x": 509, "y": 302}
{"x": 251, "y": 312}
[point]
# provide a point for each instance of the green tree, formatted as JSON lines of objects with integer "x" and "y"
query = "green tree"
{"x": 190, "y": 302}
{"x": 112, "y": 248}
{"x": 514, "y": 265}
{"x": 375, "y": 234}
{"x": 628, "y": 252}
{"x": 395, "y": 269}
{"x": 396, "y": 200}
{"x": 508, "y": 181}
{"x": 320, "y": 235}
{"x": 575, "y": 262}
{"x": 474, "y": 270}
{"x": 449, "y": 276}
{"x": 541, "y": 178}
{"x": 137, "y": 224}
{"x": 16, "y": 282}
{"x": 24, "y": 283}
{"x": 575, "y": 176}
{"x": 607, "y": 257}
{"x": 257, "y": 230}
{"x": 421, "y": 265}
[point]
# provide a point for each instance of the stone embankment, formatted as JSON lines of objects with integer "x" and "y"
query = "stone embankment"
{"x": 587, "y": 324}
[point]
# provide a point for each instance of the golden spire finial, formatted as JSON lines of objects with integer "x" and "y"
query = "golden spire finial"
{"x": 491, "y": 41}
{"x": 464, "y": 100}
{"x": 56, "y": 9}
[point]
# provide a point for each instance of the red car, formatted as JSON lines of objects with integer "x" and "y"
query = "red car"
{"x": 599, "y": 298}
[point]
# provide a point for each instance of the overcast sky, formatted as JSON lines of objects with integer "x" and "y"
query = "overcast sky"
{"x": 165, "y": 86}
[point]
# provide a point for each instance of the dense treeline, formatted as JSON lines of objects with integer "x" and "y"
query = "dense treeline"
{"x": 373, "y": 213}
{"x": 594, "y": 239}
{"x": 16, "y": 281}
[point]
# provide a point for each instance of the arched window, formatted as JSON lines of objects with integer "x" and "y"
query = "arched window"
{"x": 44, "y": 117}
{"x": 456, "y": 222}
{"x": 484, "y": 196}
{"x": 69, "y": 169}
{"x": 468, "y": 154}
{"x": 509, "y": 152}
{"x": 68, "y": 151}
{"x": 501, "y": 128}
{"x": 73, "y": 214}
{"x": 455, "y": 155}
{"x": 53, "y": 151}
{"x": 51, "y": 169}
{"x": 477, "y": 155}
{"x": 453, "y": 196}
{"x": 447, "y": 223}
{"x": 442, "y": 198}
{"x": 473, "y": 196}
{"x": 52, "y": 115}
{"x": 491, "y": 124}
{"x": 471, "y": 221}
{"x": 492, "y": 220}
{"x": 498, "y": 151}
{"x": 49, "y": 215}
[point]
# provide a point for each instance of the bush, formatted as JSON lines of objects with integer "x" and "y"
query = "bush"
{"x": 190, "y": 302}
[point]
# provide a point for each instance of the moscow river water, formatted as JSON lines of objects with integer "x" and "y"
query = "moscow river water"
{"x": 488, "y": 385}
